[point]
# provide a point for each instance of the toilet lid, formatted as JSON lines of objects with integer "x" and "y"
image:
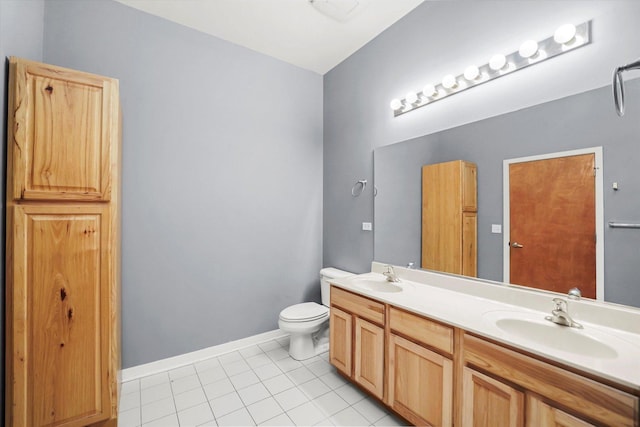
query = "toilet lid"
{"x": 304, "y": 311}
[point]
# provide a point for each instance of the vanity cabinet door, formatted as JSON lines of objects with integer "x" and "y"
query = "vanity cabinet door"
{"x": 369, "y": 356}
{"x": 420, "y": 383}
{"x": 340, "y": 340}
{"x": 489, "y": 402}
{"x": 540, "y": 413}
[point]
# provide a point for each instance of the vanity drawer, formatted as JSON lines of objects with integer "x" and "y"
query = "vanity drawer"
{"x": 422, "y": 330}
{"x": 583, "y": 396}
{"x": 358, "y": 305}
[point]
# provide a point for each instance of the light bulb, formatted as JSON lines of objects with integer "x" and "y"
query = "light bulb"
{"x": 395, "y": 104}
{"x": 497, "y": 62}
{"x": 411, "y": 98}
{"x": 565, "y": 34}
{"x": 471, "y": 73}
{"x": 528, "y": 49}
{"x": 449, "y": 82}
{"x": 429, "y": 90}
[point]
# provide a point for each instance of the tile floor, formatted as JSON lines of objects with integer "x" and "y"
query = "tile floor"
{"x": 258, "y": 385}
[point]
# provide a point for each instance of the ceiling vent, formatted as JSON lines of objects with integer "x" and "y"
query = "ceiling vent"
{"x": 339, "y": 10}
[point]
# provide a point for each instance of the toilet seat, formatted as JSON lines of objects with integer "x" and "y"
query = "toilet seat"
{"x": 304, "y": 312}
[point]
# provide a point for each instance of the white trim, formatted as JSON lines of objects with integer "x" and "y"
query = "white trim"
{"x": 597, "y": 151}
{"x": 163, "y": 365}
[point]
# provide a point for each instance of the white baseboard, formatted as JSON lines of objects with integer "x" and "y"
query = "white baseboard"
{"x": 163, "y": 365}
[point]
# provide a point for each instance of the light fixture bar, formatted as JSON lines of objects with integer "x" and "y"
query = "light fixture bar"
{"x": 566, "y": 38}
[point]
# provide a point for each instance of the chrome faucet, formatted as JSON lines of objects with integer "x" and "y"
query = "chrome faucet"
{"x": 390, "y": 274}
{"x": 560, "y": 314}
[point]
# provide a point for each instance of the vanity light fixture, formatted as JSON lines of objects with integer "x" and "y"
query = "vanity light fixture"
{"x": 396, "y": 104}
{"x": 566, "y": 38}
{"x": 429, "y": 90}
{"x": 471, "y": 73}
{"x": 528, "y": 49}
{"x": 411, "y": 97}
{"x": 497, "y": 62}
{"x": 565, "y": 34}
{"x": 449, "y": 82}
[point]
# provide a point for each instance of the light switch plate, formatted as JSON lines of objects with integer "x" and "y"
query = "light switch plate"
{"x": 366, "y": 226}
{"x": 496, "y": 228}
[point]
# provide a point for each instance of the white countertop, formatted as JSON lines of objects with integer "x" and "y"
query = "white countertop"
{"x": 474, "y": 306}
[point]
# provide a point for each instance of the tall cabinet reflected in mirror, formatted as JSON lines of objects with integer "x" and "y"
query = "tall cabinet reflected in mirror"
{"x": 449, "y": 217}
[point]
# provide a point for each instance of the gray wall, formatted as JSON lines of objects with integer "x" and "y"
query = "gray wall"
{"x": 21, "y": 26}
{"x": 435, "y": 39}
{"x": 587, "y": 120}
{"x": 222, "y": 176}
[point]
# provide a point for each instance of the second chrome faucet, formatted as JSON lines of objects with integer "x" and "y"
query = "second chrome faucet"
{"x": 560, "y": 314}
{"x": 390, "y": 274}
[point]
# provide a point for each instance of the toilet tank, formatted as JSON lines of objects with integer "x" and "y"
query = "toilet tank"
{"x": 325, "y": 275}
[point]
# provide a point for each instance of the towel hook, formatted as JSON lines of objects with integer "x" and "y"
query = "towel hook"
{"x": 358, "y": 187}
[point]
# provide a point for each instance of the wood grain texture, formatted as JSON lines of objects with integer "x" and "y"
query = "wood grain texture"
{"x": 340, "y": 340}
{"x": 63, "y": 251}
{"x": 448, "y": 190}
{"x": 369, "y": 356}
{"x": 422, "y": 330}
{"x": 488, "y": 402}
{"x": 469, "y": 244}
{"x": 62, "y": 133}
{"x": 362, "y": 307}
{"x": 582, "y": 395}
{"x": 552, "y": 214}
{"x": 540, "y": 413}
{"x": 420, "y": 383}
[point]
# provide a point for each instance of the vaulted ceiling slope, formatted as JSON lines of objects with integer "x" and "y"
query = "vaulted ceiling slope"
{"x": 299, "y": 32}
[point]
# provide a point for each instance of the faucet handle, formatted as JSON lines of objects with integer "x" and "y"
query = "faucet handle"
{"x": 574, "y": 293}
{"x": 559, "y": 302}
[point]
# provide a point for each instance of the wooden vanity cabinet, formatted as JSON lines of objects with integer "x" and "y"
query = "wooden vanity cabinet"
{"x": 420, "y": 369}
{"x": 554, "y": 396}
{"x": 63, "y": 248}
{"x": 540, "y": 413}
{"x": 340, "y": 339}
{"x": 449, "y": 217}
{"x": 488, "y": 402}
{"x": 356, "y": 334}
{"x": 437, "y": 375}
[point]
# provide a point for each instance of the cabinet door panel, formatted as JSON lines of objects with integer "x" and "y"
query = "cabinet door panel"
{"x": 488, "y": 402}
{"x": 369, "y": 356}
{"x": 540, "y": 413}
{"x": 469, "y": 244}
{"x": 340, "y": 327}
{"x": 420, "y": 383}
{"x": 62, "y": 131}
{"x": 60, "y": 311}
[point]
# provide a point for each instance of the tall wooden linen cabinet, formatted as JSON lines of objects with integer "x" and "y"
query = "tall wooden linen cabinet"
{"x": 450, "y": 217}
{"x": 63, "y": 247}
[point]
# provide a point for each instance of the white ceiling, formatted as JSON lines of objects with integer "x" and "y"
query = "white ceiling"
{"x": 291, "y": 30}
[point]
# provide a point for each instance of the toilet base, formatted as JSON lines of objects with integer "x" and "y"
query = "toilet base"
{"x": 306, "y": 346}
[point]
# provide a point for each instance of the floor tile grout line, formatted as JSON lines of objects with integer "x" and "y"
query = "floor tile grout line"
{"x": 316, "y": 374}
{"x": 215, "y": 419}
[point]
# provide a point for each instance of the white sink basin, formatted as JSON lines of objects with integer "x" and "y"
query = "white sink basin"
{"x": 377, "y": 285}
{"x": 377, "y": 282}
{"x": 526, "y": 328}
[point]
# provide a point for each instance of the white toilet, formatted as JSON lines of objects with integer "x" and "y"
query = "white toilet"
{"x": 308, "y": 322}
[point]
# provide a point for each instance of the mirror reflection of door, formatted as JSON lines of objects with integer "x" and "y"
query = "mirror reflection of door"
{"x": 552, "y": 223}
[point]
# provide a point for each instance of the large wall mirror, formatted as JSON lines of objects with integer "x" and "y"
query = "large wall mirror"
{"x": 572, "y": 123}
